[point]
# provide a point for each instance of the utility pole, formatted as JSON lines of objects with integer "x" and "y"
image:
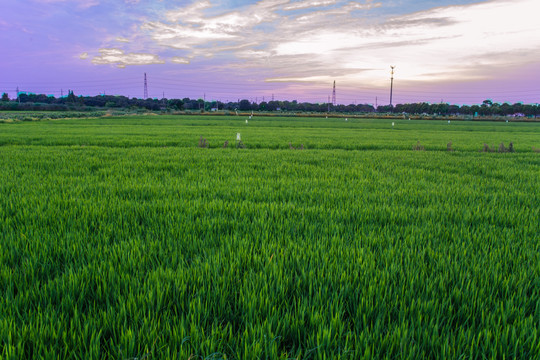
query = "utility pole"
{"x": 391, "y": 82}
{"x": 334, "y": 94}
{"x": 145, "y": 87}
{"x": 18, "y": 97}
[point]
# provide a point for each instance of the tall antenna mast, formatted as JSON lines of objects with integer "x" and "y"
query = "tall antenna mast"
{"x": 334, "y": 94}
{"x": 145, "y": 87}
{"x": 391, "y": 82}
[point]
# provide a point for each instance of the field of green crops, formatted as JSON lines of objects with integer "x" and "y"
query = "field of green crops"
{"x": 121, "y": 238}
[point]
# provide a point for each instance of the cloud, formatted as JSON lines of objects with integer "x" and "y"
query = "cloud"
{"x": 189, "y": 28}
{"x": 441, "y": 44}
{"x": 321, "y": 40}
{"x": 83, "y": 56}
{"x": 191, "y": 13}
{"x": 82, "y": 4}
{"x": 88, "y": 4}
{"x": 119, "y": 58}
{"x": 122, "y": 39}
{"x": 179, "y": 60}
{"x": 195, "y": 29}
{"x": 308, "y": 4}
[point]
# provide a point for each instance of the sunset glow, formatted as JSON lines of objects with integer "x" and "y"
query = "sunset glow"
{"x": 459, "y": 52}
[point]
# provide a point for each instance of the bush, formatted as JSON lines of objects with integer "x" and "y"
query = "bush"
{"x": 503, "y": 149}
{"x": 203, "y": 143}
{"x": 486, "y": 148}
{"x": 418, "y": 146}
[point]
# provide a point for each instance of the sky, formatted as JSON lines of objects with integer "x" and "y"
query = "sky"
{"x": 453, "y": 51}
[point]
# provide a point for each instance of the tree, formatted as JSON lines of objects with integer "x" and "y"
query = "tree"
{"x": 175, "y": 104}
{"x": 245, "y": 105}
{"x": 5, "y": 97}
{"x": 71, "y": 97}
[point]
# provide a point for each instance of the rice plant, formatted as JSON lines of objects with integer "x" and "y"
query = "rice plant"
{"x": 353, "y": 248}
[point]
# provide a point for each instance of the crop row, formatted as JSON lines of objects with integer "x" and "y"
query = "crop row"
{"x": 265, "y": 133}
{"x": 111, "y": 252}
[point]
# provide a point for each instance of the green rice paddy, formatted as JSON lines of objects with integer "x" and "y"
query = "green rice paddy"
{"x": 121, "y": 238}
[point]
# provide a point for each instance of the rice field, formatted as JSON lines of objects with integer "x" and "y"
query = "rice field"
{"x": 122, "y": 238}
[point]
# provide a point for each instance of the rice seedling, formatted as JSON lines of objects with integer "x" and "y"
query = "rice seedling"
{"x": 357, "y": 248}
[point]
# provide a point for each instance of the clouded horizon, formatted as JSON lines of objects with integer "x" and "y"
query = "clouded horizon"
{"x": 460, "y": 52}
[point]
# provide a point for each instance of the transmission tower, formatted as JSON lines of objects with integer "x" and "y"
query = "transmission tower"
{"x": 145, "y": 87}
{"x": 391, "y": 82}
{"x": 334, "y": 94}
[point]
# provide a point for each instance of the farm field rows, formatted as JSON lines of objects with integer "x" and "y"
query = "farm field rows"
{"x": 271, "y": 133}
{"x": 123, "y": 239}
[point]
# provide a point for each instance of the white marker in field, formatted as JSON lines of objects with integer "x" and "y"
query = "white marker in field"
{"x": 237, "y": 136}
{"x": 392, "y": 125}
{"x": 346, "y": 119}
{"x": 246, "y": 121}
{"x": 449, "y": 121}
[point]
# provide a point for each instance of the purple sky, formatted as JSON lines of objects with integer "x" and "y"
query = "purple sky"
{"x": 456, "y": 51}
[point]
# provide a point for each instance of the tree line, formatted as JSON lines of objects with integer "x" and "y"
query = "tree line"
{"x": 28, "y": 101}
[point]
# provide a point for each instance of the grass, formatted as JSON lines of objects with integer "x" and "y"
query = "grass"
{"x": 271, "y": 133}
{"x": 141, "y": 244}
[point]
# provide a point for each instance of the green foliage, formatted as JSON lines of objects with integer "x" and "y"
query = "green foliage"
{"x": 46, "y": 115}
{"x": 141, "y": 245}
